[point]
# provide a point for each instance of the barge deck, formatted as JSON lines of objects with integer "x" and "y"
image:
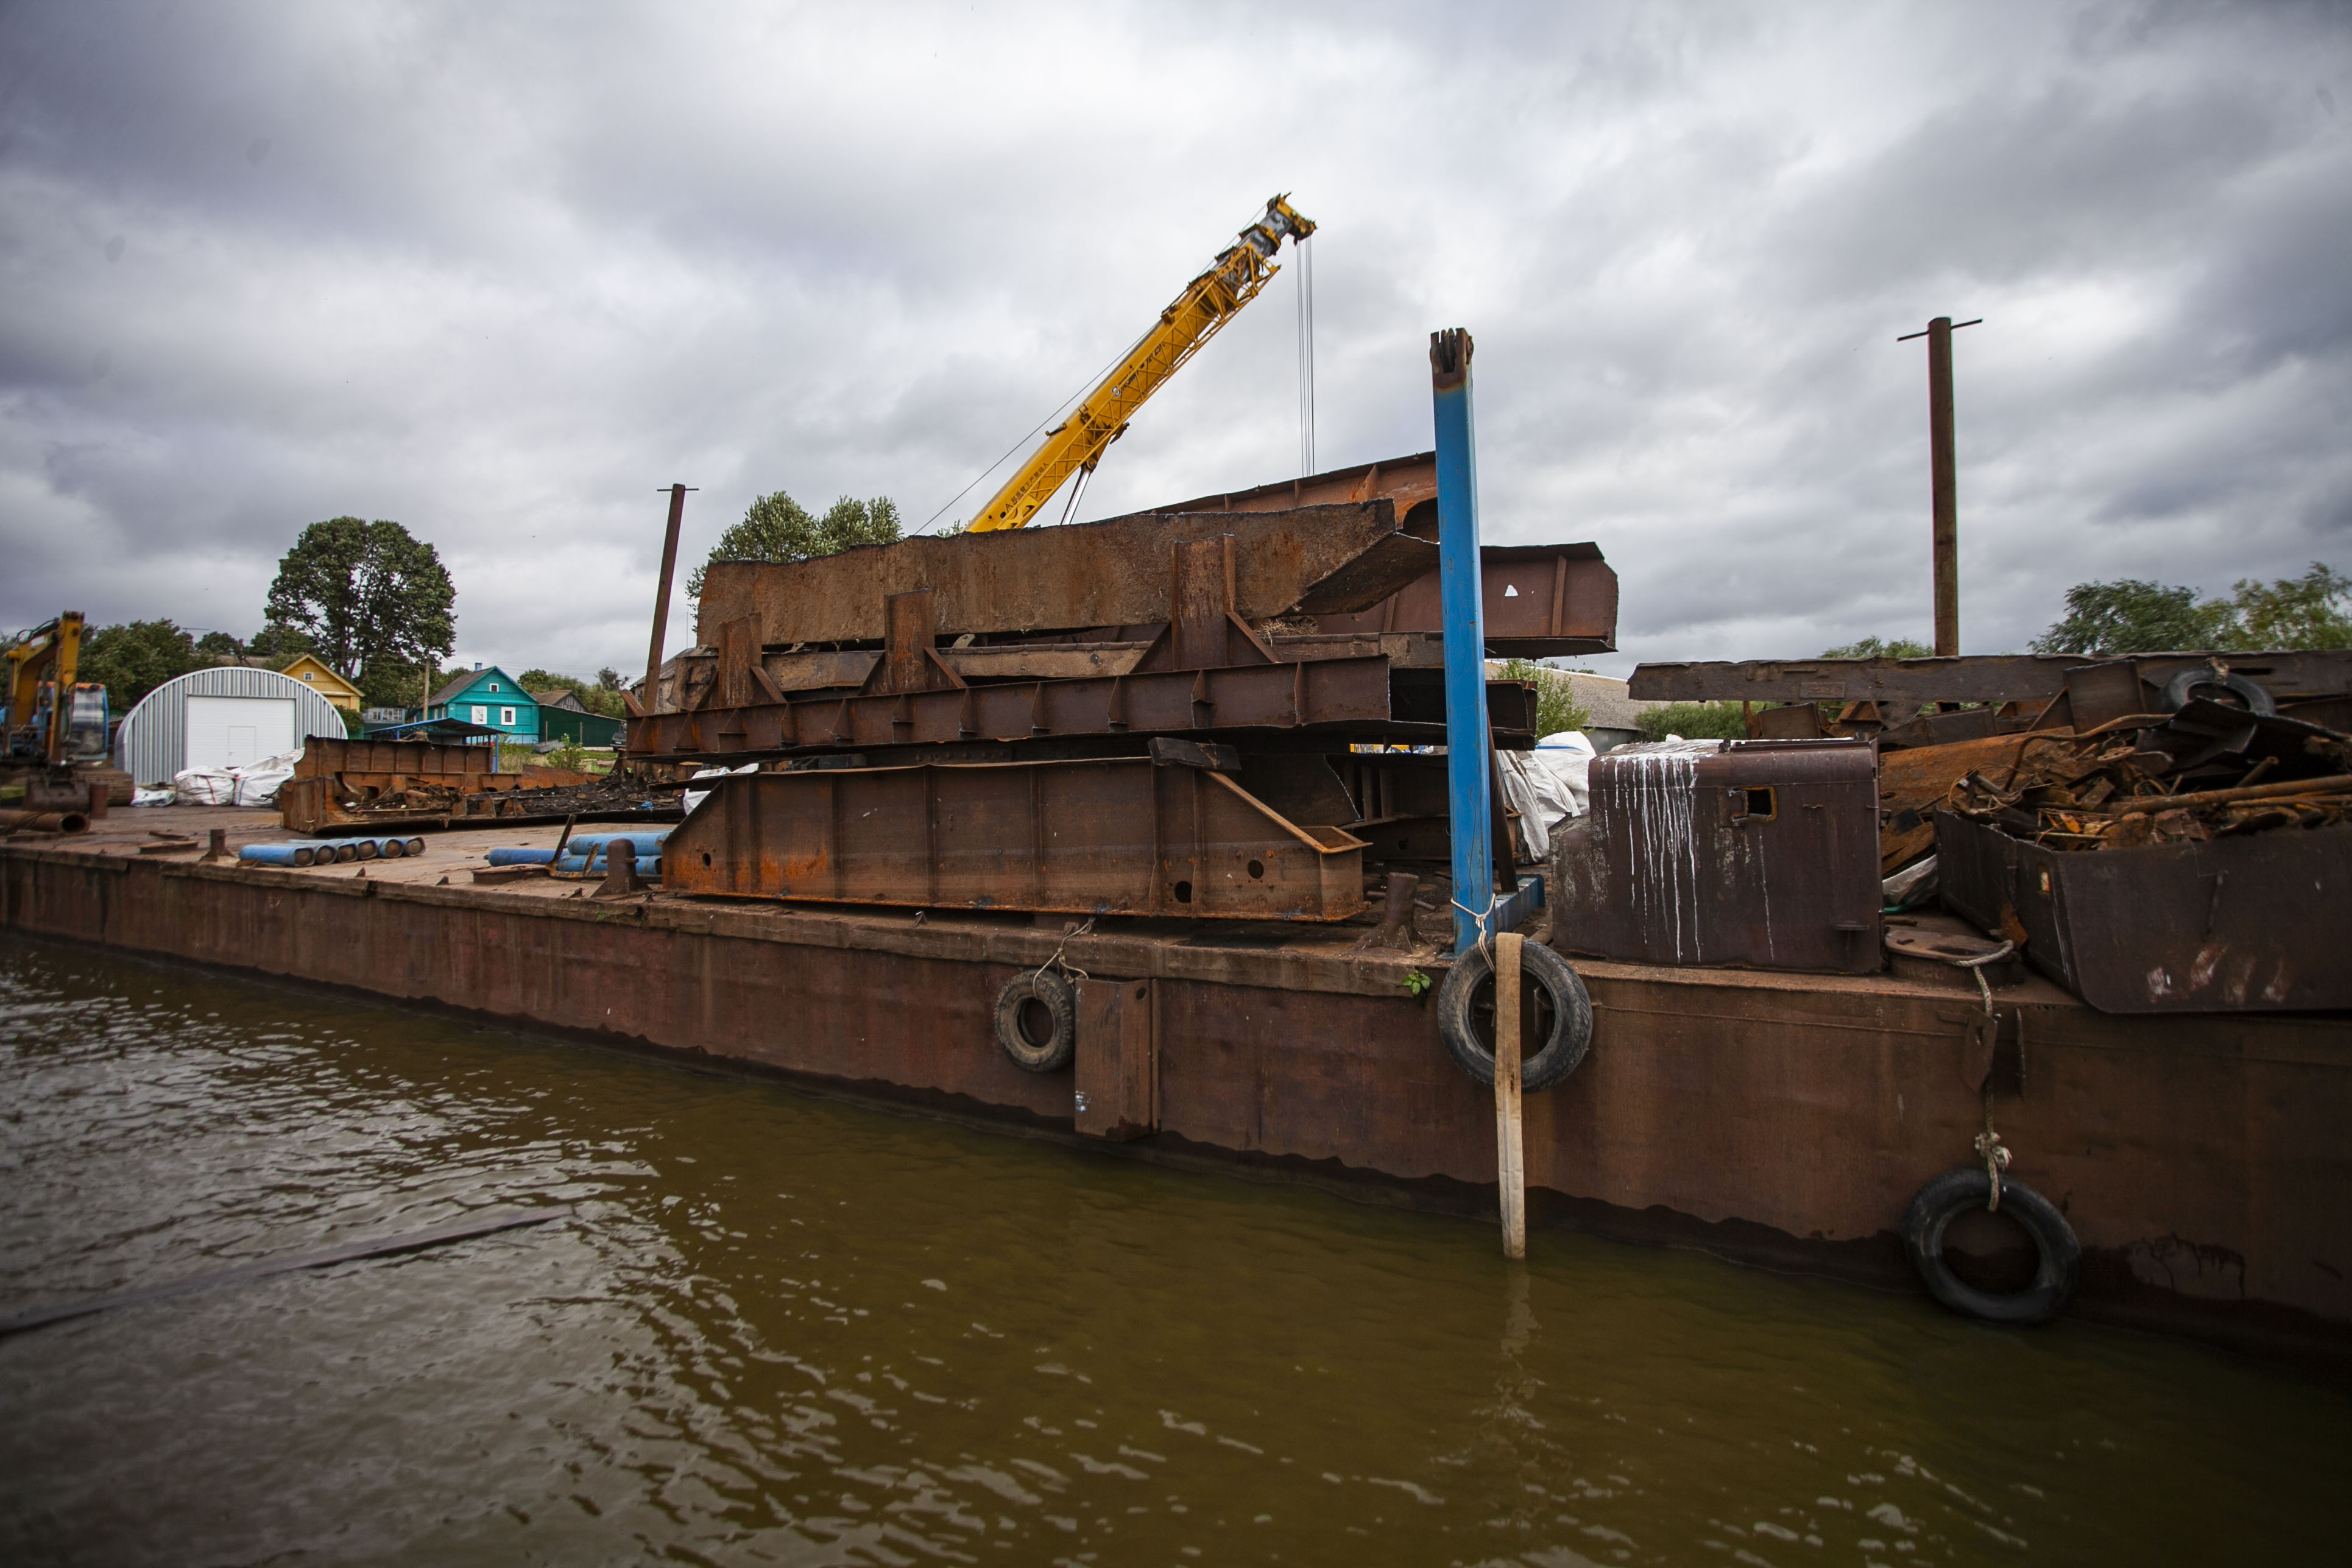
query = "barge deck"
{"x": 1771, "y": 1117}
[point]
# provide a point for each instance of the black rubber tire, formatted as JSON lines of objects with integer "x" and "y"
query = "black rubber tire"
{"x": 2184, "y": 686}
{"x": 1945, "y": 1199}
{"x": 1053, "y": 993}
{"x": 1571, "y": 1018}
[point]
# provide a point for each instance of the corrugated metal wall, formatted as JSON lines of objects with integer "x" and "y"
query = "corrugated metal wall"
{"x": 152, "y": 743}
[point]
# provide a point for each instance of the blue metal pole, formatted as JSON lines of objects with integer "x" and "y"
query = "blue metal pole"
{"x": 1467, "y": 735}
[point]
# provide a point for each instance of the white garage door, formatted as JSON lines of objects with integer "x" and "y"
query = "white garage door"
{"x": 230, "y": 731}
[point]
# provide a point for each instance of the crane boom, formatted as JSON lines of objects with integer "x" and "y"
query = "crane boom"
{"x": 1208, "y": 303}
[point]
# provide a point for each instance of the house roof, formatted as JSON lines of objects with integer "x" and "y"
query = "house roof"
{"x": 324, "y": 667}
{"x": 561, "y": 696}
{"x": 465, "y": 679}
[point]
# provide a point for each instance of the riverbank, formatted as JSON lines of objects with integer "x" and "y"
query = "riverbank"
{"x": 1773, "y": 1118}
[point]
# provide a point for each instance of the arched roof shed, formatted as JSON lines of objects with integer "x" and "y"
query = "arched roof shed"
{"x": 153, "y": 740}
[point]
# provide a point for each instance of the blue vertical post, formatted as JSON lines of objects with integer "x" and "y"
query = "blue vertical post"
{"x": 1467, "y": 738}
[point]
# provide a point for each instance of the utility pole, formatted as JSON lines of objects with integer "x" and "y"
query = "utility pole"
{"x": 661, "y": 600}
{"x": 1943, "y": 481}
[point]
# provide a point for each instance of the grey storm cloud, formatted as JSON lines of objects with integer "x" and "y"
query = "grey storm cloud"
{"x": 501, "y": 273}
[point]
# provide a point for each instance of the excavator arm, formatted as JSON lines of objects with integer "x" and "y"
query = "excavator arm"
{"x": 1207, "y": 303}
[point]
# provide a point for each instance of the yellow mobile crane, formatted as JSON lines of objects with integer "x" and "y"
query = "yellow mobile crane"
{"x": 1208, "y": 303}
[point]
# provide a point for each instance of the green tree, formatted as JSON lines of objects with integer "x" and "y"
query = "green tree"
{"x": 1873, "y": 648}
{"x": 2305, "y": 611}
{"x": 778, "y": 528}
{"x": 274, "y": 641}
{"x": 218, "y": 646}
{"x": 367, "y": 595}
{"x": 2134, "y": 615}
{"x": 1694, "y": 721}
{"x": 1557, "y": 708}
{"x": 135, "y": 659}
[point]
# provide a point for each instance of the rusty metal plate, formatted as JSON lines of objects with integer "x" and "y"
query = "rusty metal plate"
{"x": 1279, "y": 696}
{"x": 1907, "y": 684}
{"x": 1055, "y": 579}
{"x": 2227, "y": 925}
{"x": 1760, "y": 854}
{"x": 1117, "y": 836}
{"x": 1541, "y": 600}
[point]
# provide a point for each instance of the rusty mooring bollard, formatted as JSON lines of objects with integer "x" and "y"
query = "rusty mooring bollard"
{"x": 96, "y": 801}
{"x": 218, "y": 848}
{"x": 621, "y": 870}
{"x": 1396, "y": 929}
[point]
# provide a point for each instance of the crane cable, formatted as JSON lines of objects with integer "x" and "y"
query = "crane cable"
{"x": 1089, "y": 385}
{"x": 1305, "y": 357}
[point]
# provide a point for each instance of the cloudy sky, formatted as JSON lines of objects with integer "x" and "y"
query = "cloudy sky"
{"x": 501, "y": 272}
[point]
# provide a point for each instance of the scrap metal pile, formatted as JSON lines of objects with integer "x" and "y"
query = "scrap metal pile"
{"x": 1176, "y": 714}
{"x": 344, "y": 785}
{"x": 2163, "y": 833}
{"x": 2126, "y": 785}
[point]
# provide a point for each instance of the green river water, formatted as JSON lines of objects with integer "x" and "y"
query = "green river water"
{"x": 791, "y": 1329}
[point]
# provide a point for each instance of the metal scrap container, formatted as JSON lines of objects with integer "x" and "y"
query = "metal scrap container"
{"x": 1755, "y": 854}
{"x": 2245, "y": 924}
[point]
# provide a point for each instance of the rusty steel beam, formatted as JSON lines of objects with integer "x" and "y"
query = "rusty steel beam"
{"x": 1542, "y": 601}
{"x": 1106, "y": 574}
{"x": 1974, "y": 678}
{"x": 1124, "y": 836}
{"x": 1361, "y": 698}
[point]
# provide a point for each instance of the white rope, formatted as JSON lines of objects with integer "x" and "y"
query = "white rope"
{"x": 1988, "y": 1146}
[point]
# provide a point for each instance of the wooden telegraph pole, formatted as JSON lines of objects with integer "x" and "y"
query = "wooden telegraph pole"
{"x": 1943, "y": 481}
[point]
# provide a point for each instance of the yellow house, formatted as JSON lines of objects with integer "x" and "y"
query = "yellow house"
{"x": 311, "y": 672}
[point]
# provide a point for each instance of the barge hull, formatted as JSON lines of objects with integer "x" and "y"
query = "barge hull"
{"x": 1773, "y": 1118}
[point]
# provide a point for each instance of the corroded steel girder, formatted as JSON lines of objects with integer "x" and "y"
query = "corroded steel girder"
{"x": 1362, "y": 698}
{"x": 1122, "y": 837}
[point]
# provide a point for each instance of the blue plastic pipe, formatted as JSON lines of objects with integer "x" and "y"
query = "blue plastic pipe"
{"x": 1464, "y": 601}
{"x": 583, "y": 850}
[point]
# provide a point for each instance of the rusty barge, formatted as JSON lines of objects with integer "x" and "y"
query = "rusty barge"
{"x": 1187, "y": 836}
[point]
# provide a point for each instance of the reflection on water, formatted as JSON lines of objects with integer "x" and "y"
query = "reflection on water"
{"x": 785, "y": 1330}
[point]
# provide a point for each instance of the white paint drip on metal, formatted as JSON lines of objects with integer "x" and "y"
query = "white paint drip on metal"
{"x": 1657, "y": 809}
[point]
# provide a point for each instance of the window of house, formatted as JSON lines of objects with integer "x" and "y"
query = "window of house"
{"x": 494, "y": 686}
{"x": 506, "y": 718}
{"x": 481, "y": 715}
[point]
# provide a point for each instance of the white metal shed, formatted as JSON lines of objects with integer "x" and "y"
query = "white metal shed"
{"x": 223, "y": 717}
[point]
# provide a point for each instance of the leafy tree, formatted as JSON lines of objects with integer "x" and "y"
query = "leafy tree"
{"x": 2301, "y": 612}
{"x": 1557, "y": 708}
{"x": 1694, "y": 721}
{"x": 608, "y": 679}
{"x": 219, "y": 646}
{"x": 132, "y": 659}
{"x": 366, "y": 595}
{"x": 274, "y": 641}
{"x": 2134, "y": 615}
{"x": 386, "y": 684}
{"x": 1873, "y": 648}
{"x": 778, "y": 528}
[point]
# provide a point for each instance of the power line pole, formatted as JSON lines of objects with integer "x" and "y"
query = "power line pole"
{"x": 1943, "y": 481}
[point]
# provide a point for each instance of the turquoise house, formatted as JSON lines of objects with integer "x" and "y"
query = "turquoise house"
{"x": 488, "y": 695}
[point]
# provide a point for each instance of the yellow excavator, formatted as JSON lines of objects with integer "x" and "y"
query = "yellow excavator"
{"x": 51, "y": 719}
{"x": 1207, "y": 303}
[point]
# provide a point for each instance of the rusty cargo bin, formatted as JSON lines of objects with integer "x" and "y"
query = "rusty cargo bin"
{"x": 2226, "y": 925}
{"x": 1754, "y": 854}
